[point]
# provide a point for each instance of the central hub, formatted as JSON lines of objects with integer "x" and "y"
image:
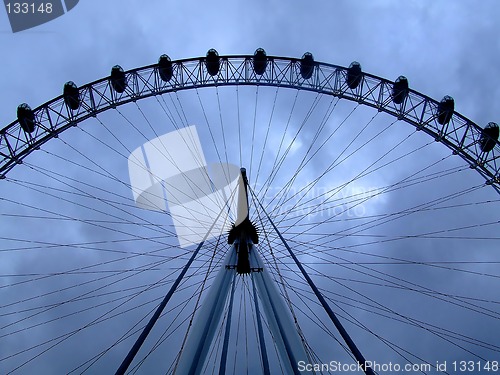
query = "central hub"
{"x": 243, "y": 234}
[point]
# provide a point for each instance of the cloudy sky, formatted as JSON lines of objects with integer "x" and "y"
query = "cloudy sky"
{"x": 412, "y": 272}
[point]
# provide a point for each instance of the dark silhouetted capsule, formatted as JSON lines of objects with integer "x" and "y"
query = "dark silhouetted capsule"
{"x": 259, "y": 61}
{"x": 307, "y": 65}
{"x": 445, "y": 110}
{"x": 26, "y": 118}
{"x": 71, "y": 95}
{"x": 400, "y": 90}
{"x": 489, "y": 137}
{"x": 165, "y": 68}
{"x": 118, "y": 79}
{"x": 354, "y": 75}
{"x": 212, "y": 62}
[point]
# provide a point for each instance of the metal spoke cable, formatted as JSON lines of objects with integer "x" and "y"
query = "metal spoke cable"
{"x": 128, "y": 234}
{"x": 306, "y": 189}
{"x": 45, "y": 190}
{"x": 254, "y": 126}
{"x": 384, "y": 311}
{"x": 165, "y": 335}
{"x": 356, "y": 197}
{"x": 278, "y": 164}
{"x": 125, "y": 157}
{"x": 147, "y": 287}
{"x": 299, "y": 291}
{"x": 324, "y": 121}
{"x": 223, "y": 132}
{"x": 311, "y": 250}
{"x": 419, "y": 289}
{"x": 395, "y": 216}
{"x": 209, "y": 127}
{"x": 305, "y": 161}
{"x": 68, "y": 302}
{"x": 348, "y": 317}
{"x": 165, "y": 153}
{"x": 334, "y": 191}
{"x": 284, "y": 191}
{"x": 378, "y": 193}
{"x": 371, "y": 272}
{"x": 267, "y": 134}
{"x": 275, "y": 166}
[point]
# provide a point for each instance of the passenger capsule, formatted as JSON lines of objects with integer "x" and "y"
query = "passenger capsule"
{"x": 307, "y": 65}
{"x": 445, "y": 110}
{"x": 354, "y": 75}
{"x": 71, "y": 95}
{"x": 26, "y": 118}
{"x": 259, "y": 61}
{"x": 212, "y": 62}
{"x": 165, "y": 68}
{"x": 489, "y": 137}
{"x": 400, "y": 90}
{"x": 118, "y": 79}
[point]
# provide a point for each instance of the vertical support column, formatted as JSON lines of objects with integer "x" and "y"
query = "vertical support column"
{"x": 223, "y": 360}
{"x": 262, "y": 342}
{"x": 281, "y": 324}
{"x": 202, "y": 332}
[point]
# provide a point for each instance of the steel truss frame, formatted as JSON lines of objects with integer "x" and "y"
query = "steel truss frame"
{"x": 460, "y": 135}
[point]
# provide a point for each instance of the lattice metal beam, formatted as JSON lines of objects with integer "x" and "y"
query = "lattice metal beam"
{"x": 460, "y": 135}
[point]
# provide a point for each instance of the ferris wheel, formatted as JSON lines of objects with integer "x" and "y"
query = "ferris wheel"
{"x": 247, "y": 214}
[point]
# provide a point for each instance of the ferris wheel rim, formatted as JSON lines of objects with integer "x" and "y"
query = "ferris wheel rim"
{"x": 458, "y": 133}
